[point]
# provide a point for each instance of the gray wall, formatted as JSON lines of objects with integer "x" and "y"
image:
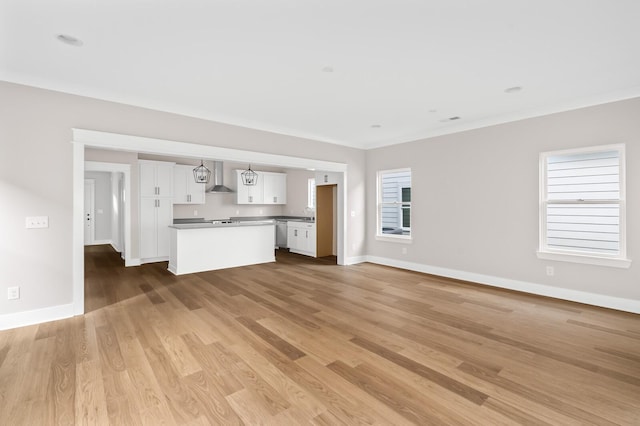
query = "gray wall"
{"x": 35, "y": 134}
{"x": 475, "y": 198}
{"x": 103, "y": 205}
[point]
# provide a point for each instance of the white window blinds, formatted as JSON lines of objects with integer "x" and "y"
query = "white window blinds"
{"x": 583, "y": 202}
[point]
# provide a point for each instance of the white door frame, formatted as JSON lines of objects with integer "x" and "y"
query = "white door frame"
{"x": 91, "y": 184}
{"x": 111, "y": 141}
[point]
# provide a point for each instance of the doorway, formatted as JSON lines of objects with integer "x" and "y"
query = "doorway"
{"x": 326, "y": 220}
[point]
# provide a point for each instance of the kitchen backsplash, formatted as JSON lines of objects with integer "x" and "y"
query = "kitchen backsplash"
{"x": 220, "y": 206}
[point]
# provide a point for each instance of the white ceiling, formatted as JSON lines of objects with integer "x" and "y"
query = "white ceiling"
{"x": 401, "y": 64}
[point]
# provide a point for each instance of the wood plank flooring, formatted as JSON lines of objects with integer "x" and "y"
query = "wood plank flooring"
{"x": 303, "y": 341}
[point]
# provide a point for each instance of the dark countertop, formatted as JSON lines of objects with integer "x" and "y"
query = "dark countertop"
{"x": 203, "y": 225}
{"x": 292, "y": 218}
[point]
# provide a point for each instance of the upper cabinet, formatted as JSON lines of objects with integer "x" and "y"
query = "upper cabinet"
{"x": 327, "y": 178}
{"x": 275, "y": 188}
{"x": 156, "y": 178}
{"x": 185, "y": 189}
{"x": 271, "y": 188}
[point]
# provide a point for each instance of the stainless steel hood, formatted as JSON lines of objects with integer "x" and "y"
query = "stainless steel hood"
{"x": 218, "y": 179}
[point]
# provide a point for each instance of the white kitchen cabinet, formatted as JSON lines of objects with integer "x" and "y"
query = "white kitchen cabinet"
{"x": 249, "y": 194}
{"x": 156, "y": 214}
{"x": 301, "y": 238}
{"x": 156, "y": 209}
{"x": 185, "y": 189}
{"x": 156, "y": 178}
{"x": 271, "y": 188}
{"x": 328, "y": 178}
{"x": 275, "y": 188}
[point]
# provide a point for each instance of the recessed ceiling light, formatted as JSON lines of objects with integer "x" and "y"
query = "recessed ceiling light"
{"x": 513, "y": 89}
{"x": 375, "y": 126}
{"x": 433, "y": 110}
{"x": 327, "y": 68}
{"x": 70, "y": 40}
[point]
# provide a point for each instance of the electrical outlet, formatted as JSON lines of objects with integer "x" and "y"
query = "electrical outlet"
{"x": 550, "y": 271}
{"x": 260, "y": 211}
{"x": 13, "y": 293}
{"x": 237, "y": 212}
{"x": 404, "y": 250}
{"x": 33, "y": 222}
{"x": 195, "y": 212}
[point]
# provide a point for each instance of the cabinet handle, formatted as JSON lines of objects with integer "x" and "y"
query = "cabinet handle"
{"x": 251, "y": 198}
{"x": 189, "y": 197}
{"x": 307, "y": 236}
{"x": 275, "y": 199}
{"x": 295, "y": 232}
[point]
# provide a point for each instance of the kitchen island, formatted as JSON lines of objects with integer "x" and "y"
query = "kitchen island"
{"x": 198, "y": 247}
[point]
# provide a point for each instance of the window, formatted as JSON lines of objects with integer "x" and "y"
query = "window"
{"x": 582, "y": 206}
{"x": 311, "y": 193}
{"x": 394, "y": 204}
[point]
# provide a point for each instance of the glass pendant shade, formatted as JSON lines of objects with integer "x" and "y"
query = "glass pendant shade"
{"x": 201, "y": 174}
{"x": 249, "y": 177}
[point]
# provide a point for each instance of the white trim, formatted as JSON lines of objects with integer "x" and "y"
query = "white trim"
{"x": 604, "y": 301}
{"x": 36, "y": 316}
{"x": 587, "y": 260}
{"x": 403, "y": 239}
{"x": 544, "y": 252}
{"x": 144, "y": 145}
{"x": 117, "y": 249}
{"x": 89, "y": 138}
{"x": 77, "y": 237}
{"x": 100, "y": 242}
{"x": 133, "y": 262}
{"x": 354, "y": 260}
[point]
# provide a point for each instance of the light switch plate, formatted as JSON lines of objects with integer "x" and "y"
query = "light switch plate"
{"x": 33, "y": 222}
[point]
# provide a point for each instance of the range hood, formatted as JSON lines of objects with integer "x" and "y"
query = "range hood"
{"x": 218, "y": 181}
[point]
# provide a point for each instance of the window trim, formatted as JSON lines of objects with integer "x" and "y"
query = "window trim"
{"x": 407, "y": 239}
{"x": 544, "y": 252}
{"x": 311, "y": 193}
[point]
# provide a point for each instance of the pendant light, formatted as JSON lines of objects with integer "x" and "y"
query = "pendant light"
{"x": 201, "y": 174}
{"x": 249, "y": 177}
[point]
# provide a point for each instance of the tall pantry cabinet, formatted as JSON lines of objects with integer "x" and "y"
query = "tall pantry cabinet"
{"x": 156, "y": 209}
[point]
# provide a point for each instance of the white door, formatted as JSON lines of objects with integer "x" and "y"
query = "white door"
{"x": 89, "y": 206}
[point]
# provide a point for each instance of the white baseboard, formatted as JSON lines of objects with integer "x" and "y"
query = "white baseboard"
{"x": 115, "y": 247}
{"x": 99, "y": 243}
{"x": 133, "y": 262}
{"x": 36, "y": 316}
{"x": 618, "y": 303}
{"x": 354, "y": 260}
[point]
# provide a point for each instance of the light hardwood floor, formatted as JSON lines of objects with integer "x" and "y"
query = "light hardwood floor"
{"x": 302, "y": 341}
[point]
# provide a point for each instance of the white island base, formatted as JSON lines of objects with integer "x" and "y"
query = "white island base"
{"x": 206, "y": 248}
